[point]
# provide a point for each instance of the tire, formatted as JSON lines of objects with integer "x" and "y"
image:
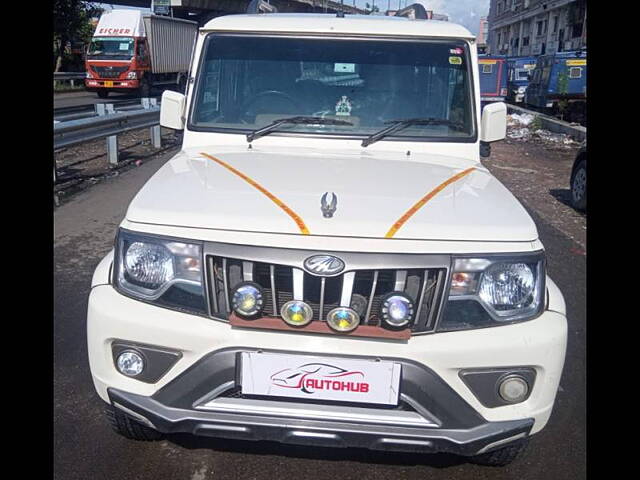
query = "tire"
{"x": 579, "y": 186}
{"x": 502, "y": 456}
{"x": 129, "y": 428}
{"x": 145, "y": 89}
{"x": 103, "y": 93}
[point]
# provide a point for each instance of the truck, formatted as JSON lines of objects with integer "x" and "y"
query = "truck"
{"x": 558, "y": 85}
{"x": 326, "y": 261}
{"x": 133, "y": 52}
{"x": 519, "y": 69}
{"x": 493, "y": 78}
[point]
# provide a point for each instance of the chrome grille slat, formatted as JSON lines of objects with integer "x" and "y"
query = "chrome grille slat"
{"x": 401, "y": 280}
{"x": 423, "y": 290}
{"x": 213, "y": 284}
{"x": 321, "y": 314}
{"x": 374, "y": 283}
{"x": 435, "y": 300}
{"x": 247, "y": 271}
{"x": 298, "y": 284}
{"x": 272, "y": 276}
{"x": 347, "y": 288}
{"x": 226, "y": 285}
{"x": 423, "y": 277}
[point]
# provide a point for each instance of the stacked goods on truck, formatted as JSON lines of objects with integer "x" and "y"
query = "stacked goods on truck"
{"x": 493, "y": 78}
{"x": 520, "y": 69}
{"x": 132, "y": 52}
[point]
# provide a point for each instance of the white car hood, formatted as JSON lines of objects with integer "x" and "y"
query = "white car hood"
{"x": 264, "y": 190}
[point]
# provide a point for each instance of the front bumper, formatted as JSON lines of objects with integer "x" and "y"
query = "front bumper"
{"x": 305, "y": 431}
{"x": 456, "y": 421}
{"x": 116, "y": 85}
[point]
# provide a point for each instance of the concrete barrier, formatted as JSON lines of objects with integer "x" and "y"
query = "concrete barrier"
{"x": 578, "y": 132}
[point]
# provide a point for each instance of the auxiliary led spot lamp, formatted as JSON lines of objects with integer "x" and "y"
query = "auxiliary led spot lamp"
{"x": 247, "y": 299}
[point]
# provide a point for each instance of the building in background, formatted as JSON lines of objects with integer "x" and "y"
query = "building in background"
{"x": 483, "y": 35}
{"x": 536, "y": 27}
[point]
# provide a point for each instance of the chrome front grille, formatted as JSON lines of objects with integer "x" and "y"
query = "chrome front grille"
{"x": 365, "y": 281}
{"x": 109, "y": 72}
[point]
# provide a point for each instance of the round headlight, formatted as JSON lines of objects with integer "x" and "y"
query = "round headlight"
{"x": 397, "y": 310}
{"x": 343, "y": 319}
{"x": 130, "y": 363}
{"x": 149, "y": 265}
{"x": 513, "y": 389}
{"x": 507, "y": 285}
{"x": 296, "y": 313}
{"x": 247, "y": 299}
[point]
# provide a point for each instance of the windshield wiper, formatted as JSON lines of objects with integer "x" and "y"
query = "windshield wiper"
{"x": 261, "y": 132}
{"x": 397, "y": 125}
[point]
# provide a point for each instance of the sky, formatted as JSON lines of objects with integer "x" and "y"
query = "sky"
{"x": 464, "y": 12}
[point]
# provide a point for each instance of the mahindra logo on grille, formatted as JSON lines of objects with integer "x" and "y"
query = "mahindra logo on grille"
{"x": 324, "y": 265}
{"x": 312, "y": 377}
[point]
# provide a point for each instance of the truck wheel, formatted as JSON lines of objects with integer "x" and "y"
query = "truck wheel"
{"x": 145, "y": 89}
{"x": 579, "y": 186}
{"x": 103, "y": 93}
{"x": 502, "y": 456}
{"x": 129, "y": 428}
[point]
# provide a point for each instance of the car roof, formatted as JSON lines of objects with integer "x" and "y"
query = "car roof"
{"x": 332, "y": 24}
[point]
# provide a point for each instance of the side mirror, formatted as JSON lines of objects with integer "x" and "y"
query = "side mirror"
{"x": 172, "y": 110}
{"x": 493, "y": 126}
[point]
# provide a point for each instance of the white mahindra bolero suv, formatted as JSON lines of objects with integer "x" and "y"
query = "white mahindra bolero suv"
{"x": 326, "y": 261}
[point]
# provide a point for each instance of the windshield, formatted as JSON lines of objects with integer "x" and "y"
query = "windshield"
{"x": 114, "y": 48}
{"x": 248, "y": 82}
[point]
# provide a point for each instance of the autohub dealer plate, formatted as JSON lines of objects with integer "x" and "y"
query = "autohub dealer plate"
{"x": 320, "y": 378}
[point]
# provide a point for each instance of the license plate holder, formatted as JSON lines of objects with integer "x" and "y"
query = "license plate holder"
{"x": 314, "y": 377}
{"x": 108, "y": 83}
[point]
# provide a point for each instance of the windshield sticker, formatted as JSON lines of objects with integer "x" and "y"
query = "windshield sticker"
{"x": 455, "y": 60}
{"x": 343, "y": 107}
{"x": 344, "y": 67}
{"x": 124, "y": 46}
{"x": 574, "y": 63}
{"x": 455, "y": 51}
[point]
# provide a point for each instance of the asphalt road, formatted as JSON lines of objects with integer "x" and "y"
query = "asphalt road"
{"x": 85, "y": 446}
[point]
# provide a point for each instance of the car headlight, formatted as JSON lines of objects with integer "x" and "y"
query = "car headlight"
{"x": 160, "y": 270}
{"x": 88, "y": 74}
{"x": 493, "y": 290}
{"x": 132, "y": 75}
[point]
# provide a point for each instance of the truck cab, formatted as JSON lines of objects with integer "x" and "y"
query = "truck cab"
{"x": 118, "y": 55}
{"x": 519, "y": 69}
{"x": 326, "y": 261}
{"x": 559, "y": 77}
{"x": 131, "y": 52}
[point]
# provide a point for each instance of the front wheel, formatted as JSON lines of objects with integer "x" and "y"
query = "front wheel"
{"x": 103, "y": 93}
{"x": 129, "y": 428}
{"x": 502, "y": 456}
{"x": 145, "y": 89}
{"x": 579, "y": 186}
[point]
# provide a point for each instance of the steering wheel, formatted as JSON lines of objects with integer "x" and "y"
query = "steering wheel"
{"x": 246, "y": 107}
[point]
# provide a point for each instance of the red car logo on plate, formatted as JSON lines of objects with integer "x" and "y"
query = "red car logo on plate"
{"x": 312, "y": 377}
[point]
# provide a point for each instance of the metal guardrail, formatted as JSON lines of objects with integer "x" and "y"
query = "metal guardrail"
{"x": 107, "y": 123}
{"x": 68, "y": 75}
{"x": 82, "y": 130}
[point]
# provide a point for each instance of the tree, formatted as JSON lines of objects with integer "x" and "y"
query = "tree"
{"x": 71, "y": 23}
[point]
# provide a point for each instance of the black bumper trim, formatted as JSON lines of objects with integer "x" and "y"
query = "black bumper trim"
{"x": 320, "y": 433}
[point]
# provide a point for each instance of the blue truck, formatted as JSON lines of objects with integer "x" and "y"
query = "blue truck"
{"x": 519, "y": 69}
{"x": 558, "y": 84}
{"x": 493, "y": 78}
